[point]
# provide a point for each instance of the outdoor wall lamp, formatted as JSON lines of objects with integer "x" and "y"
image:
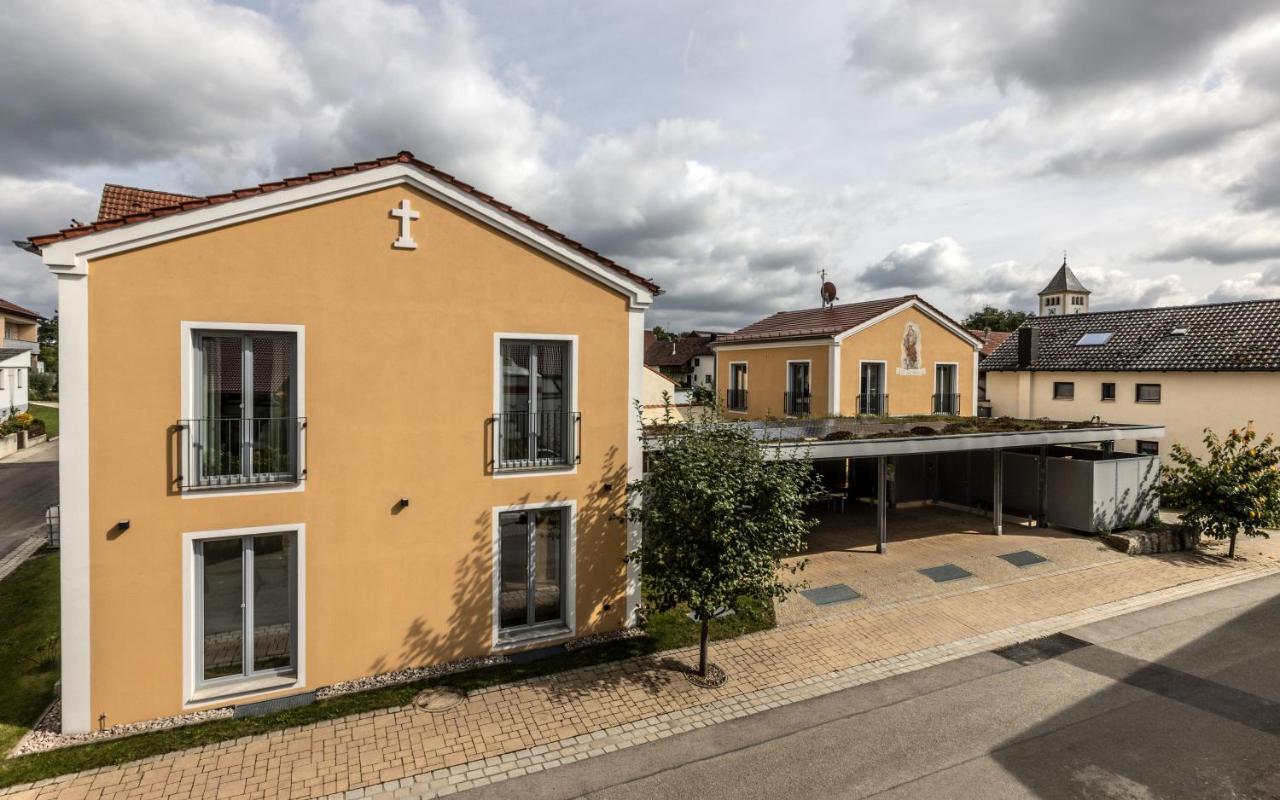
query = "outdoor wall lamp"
{"x": 404, "y": 502}
{"x": 122, "y": 525}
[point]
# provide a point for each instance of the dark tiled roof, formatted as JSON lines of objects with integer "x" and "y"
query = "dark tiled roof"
{"x": 10, "y": 352}
{"x": 14, "y": 308}
{"x": 1222, "y": 336}
{"x": 1064, "y": 280}
{"x": 818, "y": 322}
{"x": 990, "y": 340}
{"x": 403, "y": 156}
{"x": 676, "y": 353}
{"x": 119, "y": 201}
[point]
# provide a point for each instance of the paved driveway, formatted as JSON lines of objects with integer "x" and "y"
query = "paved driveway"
{"x": 28, "y": 485}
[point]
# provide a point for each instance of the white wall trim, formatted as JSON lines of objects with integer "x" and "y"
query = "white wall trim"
{"x": 974, "y": 403}
{"x": 574, "y": 380}
{"x": 635, "y": 452}
{"x": 923, "y": 309}
{"x": 73, "y": 255}
{"x": 773, "y": 345}
{"x": 569, "y": 601}
{"x": 187, "y": 409}
{"x": 73, "y": 491}
{"x": 834, "y": 379}
{"x": 189, "y": 605}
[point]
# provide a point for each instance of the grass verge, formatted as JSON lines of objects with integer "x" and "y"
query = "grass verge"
{"x": 28, "y": 645}
{"x": 664, "y": 632}
{"x": 46, "y": 414}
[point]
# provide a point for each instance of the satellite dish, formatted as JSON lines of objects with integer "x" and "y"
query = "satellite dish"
{"x": 829, "y": 293}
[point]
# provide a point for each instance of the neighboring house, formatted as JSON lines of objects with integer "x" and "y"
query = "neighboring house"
{"x": 278, "y": 511}
{"x": 1064, "y": 294}
{"x": 990, "y": 341}
{"x": 895, "y": 356}
{"x": 21, "y": 331}
{"x": 1185, "y": 367}
{"x": 659, "y": 391}
{"x": 15, "y": 368}
{"x": 688, "y": 360}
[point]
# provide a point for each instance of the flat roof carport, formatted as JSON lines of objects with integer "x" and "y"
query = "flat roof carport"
{"x": 781, "y": 446}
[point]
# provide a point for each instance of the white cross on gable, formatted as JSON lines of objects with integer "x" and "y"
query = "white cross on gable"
{"x": 406, "y": 215}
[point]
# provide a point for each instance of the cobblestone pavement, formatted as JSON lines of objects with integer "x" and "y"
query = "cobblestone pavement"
{"x": 514, "y": 729}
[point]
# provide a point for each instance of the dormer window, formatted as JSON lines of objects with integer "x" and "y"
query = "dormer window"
{"x": 1094, "y": 339}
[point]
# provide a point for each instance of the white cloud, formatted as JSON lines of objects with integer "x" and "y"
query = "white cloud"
{"x": 24, "y": 211}
{"x": 1251, "y": 286}
{"x": 1223, "y": 240}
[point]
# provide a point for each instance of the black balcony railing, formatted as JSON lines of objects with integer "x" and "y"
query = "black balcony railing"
{"x": 736, "y": 399}
{"x": 536, "y": 440}
{"x": 217, "y": 452}
{"x": 946, "y": 404}
{"x": 796, "y": 403}
{"x": 876, "y": 405}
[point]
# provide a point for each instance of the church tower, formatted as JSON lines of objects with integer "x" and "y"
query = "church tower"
{"x": 1065, "y": 294}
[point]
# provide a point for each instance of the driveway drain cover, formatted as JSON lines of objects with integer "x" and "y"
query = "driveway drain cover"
{"x": 828, "y": 595}
{"x": 438, "y": 698}
{"x": 1043, "y": 649}
{"x": 946, "y": 572}
{"x": 1024, "y": 558}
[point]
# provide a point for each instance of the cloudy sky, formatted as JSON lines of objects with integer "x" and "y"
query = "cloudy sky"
{"x": 729, "y": 150}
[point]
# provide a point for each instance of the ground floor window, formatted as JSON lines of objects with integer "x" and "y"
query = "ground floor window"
{"x": 247, "y": 607}
{"x": 1064, "y": 390}
{"x": 533, "y": 556}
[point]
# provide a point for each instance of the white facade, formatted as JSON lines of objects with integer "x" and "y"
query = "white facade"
{"x": 1060, "y": 303}
{"x": 14, "y": 383}
{"x": 703, "y": 371}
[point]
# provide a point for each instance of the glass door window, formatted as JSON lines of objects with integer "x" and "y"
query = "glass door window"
{"x": 536, "y": 424}
{"x": 532, "y": 552}
{"x": 871, "y": 389}
{"x": 737, "y": 397}
{"x": 248, "y": 607}
{"x": 946, "y": 396}
{"x": 798, "y": 387}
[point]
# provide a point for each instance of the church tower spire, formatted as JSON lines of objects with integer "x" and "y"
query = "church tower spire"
{"x": 1065, "y": 294}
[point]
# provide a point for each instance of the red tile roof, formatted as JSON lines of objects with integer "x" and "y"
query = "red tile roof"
{"x": 990, "y": 340}
{"x": 403, "y": 156}
{"x": 14, "y": 308}
{"x": 119, "y": 201}
{"x": 814, "y": 322}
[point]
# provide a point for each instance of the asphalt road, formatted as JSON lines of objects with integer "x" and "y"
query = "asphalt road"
{"x": 28, "y": 485}
{"x": 1178, "y": 701}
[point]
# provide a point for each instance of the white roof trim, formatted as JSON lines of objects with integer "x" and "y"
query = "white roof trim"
{"x": 71, "y": 256}
{"x": 824, "y": 341}
{"x": 923, "y": 309}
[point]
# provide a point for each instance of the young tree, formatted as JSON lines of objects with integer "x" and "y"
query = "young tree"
{"x": 1234, "y": 489}
{"x": 718, "y": 517}
{"x": 995, "y": 319}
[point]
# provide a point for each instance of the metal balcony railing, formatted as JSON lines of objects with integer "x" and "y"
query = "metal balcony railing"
{"x": 876, "y": 405}
{"x": 736, "y": 399}
{"x": 796, "y": 403}
{"x": 536, "y": 440}
{"x": 946, "y": 404}
{"x": 216, "y": 452}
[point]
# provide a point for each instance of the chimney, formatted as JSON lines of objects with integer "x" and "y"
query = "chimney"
{"x": 1028, "y": 346}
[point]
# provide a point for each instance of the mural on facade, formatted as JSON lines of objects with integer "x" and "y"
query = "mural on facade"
{"x": 910, "y": 361}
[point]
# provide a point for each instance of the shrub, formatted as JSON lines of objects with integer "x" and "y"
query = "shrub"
{"x": 43, "y": 386}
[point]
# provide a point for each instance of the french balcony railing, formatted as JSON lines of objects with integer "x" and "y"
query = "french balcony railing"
{"x": 946, "y": 404}
{"x": 236, "y": 451}
{"x": 536, "y": 440}
{"x": 796, "y": 403}
{"x": 736, "y": 399}
{"x": 876, "y": 405}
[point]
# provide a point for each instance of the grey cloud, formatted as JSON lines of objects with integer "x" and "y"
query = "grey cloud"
{"x": 1253, "y": 286}
{"x": 919, "y": 265}
{"x": 1217, "y": 248}
{"x": 1260, "y": 189}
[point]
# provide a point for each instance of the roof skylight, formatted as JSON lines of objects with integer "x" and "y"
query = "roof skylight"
{"x": 1094, "y": 338}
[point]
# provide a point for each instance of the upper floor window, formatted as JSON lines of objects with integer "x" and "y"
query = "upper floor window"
{"x": 736, "y": 398}
{"x": 1064, "y": 390}
{"x": 246, "y": 428}
{"x": 1147, "y": 393}
{"x": 1077, "y": 300}
{"x": 1108, "y": 391}
{"x": 536, "y": 424}
{"x": 1148, "y": 448}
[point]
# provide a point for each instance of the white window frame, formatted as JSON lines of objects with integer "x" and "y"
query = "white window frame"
{"x": 956, "y": 366}
{"x": 569, "y": 593}
{"x": 195, "y": 693}
{"x": 572, "y": 339}
{"x": 190, "y": 395}
{"x": 791, "y": 389}
{"x": 884, "y": 376}
{"x": 746, "y": 378}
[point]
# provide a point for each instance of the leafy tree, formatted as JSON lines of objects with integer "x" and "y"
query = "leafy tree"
{"x": 47, "y": 335}
{"x": 995, "y": 319}
{"x": 718, "y": 517}
{"x": 1234, "y": 489}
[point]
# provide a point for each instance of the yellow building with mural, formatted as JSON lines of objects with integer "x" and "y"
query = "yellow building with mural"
{"x": 337, "y": 425}
{"x": 892, "y": 357}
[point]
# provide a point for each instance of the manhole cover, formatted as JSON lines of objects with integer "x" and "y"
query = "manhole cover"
{"x": 1042, "y": 649}
{"x": 827, "y": 595}
{"x": 1023, "y": 558}
{"x": 437, "y": 699}
{"x": 946, "y": 572}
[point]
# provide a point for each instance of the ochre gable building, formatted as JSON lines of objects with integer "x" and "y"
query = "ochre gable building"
{"x": 332, "y": 426}
{"x": 892, "y": 357}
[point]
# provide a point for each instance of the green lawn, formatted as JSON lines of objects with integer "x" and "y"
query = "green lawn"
{"x": 28, "y": 645}
{"x": 665, "y": 632}
{"x": 48, "y": 414}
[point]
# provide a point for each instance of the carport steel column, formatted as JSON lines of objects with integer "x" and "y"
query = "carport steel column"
{"x": 997, "y": 492}
{"x": 882, "y": 506}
